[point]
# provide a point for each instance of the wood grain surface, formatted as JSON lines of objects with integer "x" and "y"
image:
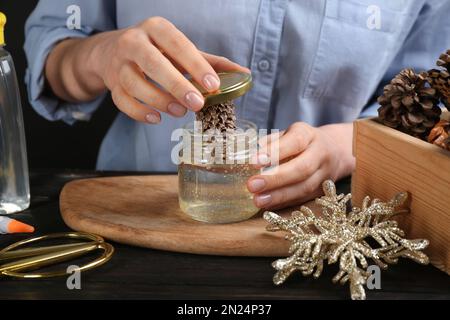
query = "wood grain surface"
{"x": 144, "y": 211}
{"x": 142, "y": 273}
{"x": 389, "y": 161}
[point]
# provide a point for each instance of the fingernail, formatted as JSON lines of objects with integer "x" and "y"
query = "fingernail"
{"x": 263, "y": 200}
{"x": 211, "y": 82}
{"x": 176, "y": 109}
{"x": 151, "y": 118}
{"x": 263, "y": 159}
{"x": 256, "y": 185}
{"x": 194, "y": 100}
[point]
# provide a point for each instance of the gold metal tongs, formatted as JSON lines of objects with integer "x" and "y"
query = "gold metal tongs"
{"x": 15, "y": 262}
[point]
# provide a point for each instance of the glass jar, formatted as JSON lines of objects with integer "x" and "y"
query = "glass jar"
{"x": 213, "y": 172}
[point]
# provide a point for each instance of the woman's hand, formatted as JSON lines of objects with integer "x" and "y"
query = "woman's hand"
{"x": 122, "y": 60}
{"x": 307, "y": 157}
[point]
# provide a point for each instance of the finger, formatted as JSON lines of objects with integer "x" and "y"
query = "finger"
{"x": 133, "y": 108}
{"x": 175, "y": 44}
{"x": 296, "y": 193}
{"x": 294, "y": 171}
{"x": 265, "y": 140}
{"x": 220, "y": 63}
{"x": 157, "y": 67}
{"x": 135, "y": 85}
{"x": 294, "y": 141}
{"x": 178, "y": 66}
{"x": 261, "y": 158}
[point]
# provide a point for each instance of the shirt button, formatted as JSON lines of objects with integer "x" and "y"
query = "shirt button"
{"x": 263, "y": 65}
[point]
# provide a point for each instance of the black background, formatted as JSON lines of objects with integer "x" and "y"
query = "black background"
{"x": 52, "y": 144}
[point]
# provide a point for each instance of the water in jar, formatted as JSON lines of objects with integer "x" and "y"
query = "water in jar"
{"x": 216, "y": 193}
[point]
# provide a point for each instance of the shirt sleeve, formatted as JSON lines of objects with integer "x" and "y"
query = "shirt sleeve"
{"x": 46, "y": 26}
{"x": 426, "y": 41}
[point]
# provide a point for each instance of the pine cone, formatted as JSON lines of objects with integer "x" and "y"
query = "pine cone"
{"x": 220, "y": 117}
{"x": 440, "y": 135}
{"x": 440, "y": 78}
{"x": 409, "y": 104}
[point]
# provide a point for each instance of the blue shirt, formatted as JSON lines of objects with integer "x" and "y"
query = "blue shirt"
{"x": 318, "y": 61}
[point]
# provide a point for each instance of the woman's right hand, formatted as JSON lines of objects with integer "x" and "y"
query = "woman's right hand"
{"x": 155, "y": 49}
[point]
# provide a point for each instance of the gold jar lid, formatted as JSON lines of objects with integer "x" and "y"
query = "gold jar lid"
{"x": 232, "y": 85}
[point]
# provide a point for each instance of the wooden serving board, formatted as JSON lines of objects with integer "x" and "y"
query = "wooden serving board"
{"x": 144, "y": 211}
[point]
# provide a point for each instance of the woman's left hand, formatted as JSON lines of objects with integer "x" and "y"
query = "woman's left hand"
{"x": 307, "y": 156}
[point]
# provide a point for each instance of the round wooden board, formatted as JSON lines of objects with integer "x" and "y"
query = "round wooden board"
{"x": 144, "y": 211}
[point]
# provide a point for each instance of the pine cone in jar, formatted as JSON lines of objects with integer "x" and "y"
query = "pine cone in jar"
{"x": 410, "y": 104}
{"x": 218, "y": 117}
{"x": 440, "y": 78}
{"x": 440, "y": 134}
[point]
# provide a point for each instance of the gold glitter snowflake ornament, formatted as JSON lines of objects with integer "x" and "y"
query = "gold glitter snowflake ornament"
{"x": 340, "y": 236}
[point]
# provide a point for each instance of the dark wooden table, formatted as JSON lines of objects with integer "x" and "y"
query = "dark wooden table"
{"x": 137, "y": 273}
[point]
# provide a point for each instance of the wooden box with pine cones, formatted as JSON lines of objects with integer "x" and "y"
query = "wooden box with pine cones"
{"x": 407, "y": 148}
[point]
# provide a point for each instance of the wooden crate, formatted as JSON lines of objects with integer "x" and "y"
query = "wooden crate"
{"x": 389, "y": 161}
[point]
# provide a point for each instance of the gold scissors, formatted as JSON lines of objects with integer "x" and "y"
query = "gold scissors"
{"x": 15, "y": 262}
